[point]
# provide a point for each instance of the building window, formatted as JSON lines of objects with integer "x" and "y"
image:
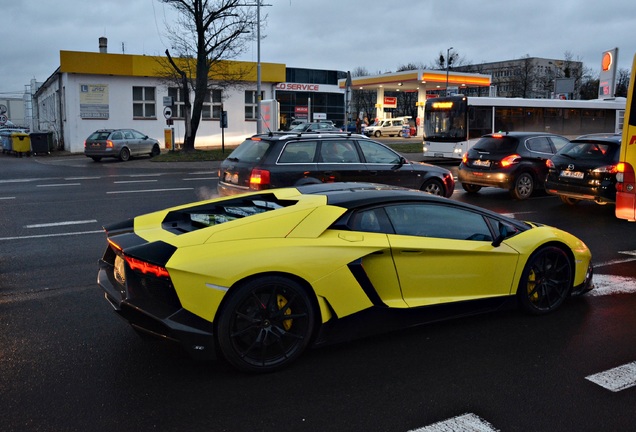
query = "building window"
{"x": 251, "y": 102}
{"x": 211, "y": 109}
{"x": 144, "y": 102}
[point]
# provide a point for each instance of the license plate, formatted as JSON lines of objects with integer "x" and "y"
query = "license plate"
{"x": 572, "y": 174}
{"x": 439, "y": 155}
{"x": 481, "y": 163}
{"x": 231, "y": 178}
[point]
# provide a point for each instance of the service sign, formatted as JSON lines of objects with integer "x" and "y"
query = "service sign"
{"x": 390, "y": 102}
{"x": 607, "y": 81}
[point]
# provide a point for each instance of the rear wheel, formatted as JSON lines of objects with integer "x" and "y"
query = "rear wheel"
{"x": 471, "y": 188}
{"x": 568, "y": 200}
{"x": 266, "y": 324}
{"x": 523, "y": 187}
{"x": 124, "y": 154}
{"x": 433, "y": 187}
{"x": 546, "y": 281}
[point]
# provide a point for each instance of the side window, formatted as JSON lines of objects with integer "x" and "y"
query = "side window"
{"x": 376, "y": 153}
{"x": 116, "y": 136}
{"x": 539, "y": 145}
{"x": 438, "y": 221}
{"x": 367, "y": 221}
{"x": 128, "y": 135}
{"x": 336, "y": 151}
{"x": 298, "y": 152}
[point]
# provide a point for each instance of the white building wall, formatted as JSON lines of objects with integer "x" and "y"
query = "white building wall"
{"x": 120, "y": 112}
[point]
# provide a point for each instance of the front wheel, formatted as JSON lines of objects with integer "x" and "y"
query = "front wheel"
{"x": 156, "y": 151}
{"x": 523, "y": 187}
{"x": 433, "y": 187}
{"x": 266, "y": 324}
{"x": 377, "y": 134}
{"x": 546, "y": 281}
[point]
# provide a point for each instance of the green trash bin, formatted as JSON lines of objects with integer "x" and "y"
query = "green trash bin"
{"x": 21, "y": 143}
{"x": 41, "y": 142}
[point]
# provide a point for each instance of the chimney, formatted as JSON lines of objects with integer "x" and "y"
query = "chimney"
{"x": 103, "y": 45}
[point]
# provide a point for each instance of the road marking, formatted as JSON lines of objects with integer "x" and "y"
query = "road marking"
{"x": 58, "y": 184}
{"x": 465, "y": 423}
{"x": 618, "y": 261}
{"x": 617, "y": 379}
{"x": 51, "y": 235}
{"x": 200, "y": 178}
{"x": 135, "y": 181}
{"x": 146, "y": 175}
{"x": 203, "y": 173}
{"x": 6, "y": 198}
{"x": 52, "y": 224}
{"x": 605, "y": 284}
{"x": 82, "y": 178}
{"x": 149, "y": 190}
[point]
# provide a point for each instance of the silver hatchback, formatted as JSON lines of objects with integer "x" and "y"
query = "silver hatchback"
{"x": 119, "y": 143}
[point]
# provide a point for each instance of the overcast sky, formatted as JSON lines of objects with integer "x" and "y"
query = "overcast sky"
{"x": 378, "y": 35}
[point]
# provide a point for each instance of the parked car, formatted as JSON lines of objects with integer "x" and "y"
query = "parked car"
{"x": 515, "y": 161}
{"x": 585, "y": 169}
{"x": 278, "y": 160}
{"x": 119, "y": 143}
{"x": 314, "y": 127}
{"x": 261, "y": 277}
{"x": 387, "y": 127}
{"x": 295, "y": 123}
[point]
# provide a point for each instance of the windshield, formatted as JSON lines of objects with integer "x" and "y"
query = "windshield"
{"x": 496, "y": 144}
{"x": 445, "y": 119}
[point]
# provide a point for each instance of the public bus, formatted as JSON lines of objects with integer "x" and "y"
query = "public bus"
{"x": 626, "y": 177}
{"x": 453, "y": 124}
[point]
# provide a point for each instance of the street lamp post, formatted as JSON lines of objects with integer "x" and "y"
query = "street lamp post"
{"x": 447, "y": 65}
{"x": 258, "y": 66}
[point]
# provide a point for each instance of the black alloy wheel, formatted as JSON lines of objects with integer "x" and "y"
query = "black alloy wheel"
{"x": 546, "y": 280}
{"x": 156, "y": 151}
{"x": 265, "y": 324}
{"x": 433, "y": 187}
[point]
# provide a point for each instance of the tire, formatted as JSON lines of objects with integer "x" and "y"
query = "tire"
{"x": 523, "y": 187}
{"x": 471, "y": 188}
{"x": 434, "y": 187}
{"x": 568, "y": 200}
{"x": 546, "y": 280}
{"x": 156, "y": 151}
{"x": 96, "y": 158}
{"x": 124, "y": 154}
{"x": 377, "y": 134}
{"x": 265, "y": 324}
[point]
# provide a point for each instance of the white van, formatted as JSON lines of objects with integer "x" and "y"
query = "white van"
{"x": 386, "y": 127}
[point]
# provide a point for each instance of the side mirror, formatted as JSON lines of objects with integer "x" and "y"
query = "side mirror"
{"x": 503, "y": 233}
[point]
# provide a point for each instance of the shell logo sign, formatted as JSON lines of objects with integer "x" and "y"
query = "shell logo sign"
{"x": 607, "y": 61}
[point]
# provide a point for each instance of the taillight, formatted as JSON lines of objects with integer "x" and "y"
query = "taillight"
{"x": 146, "y": 267}
{"x": 465, "y": 158}
{"x": 625, "y": 178}
{"x": 611, "y": 169}
{"x": 109, "y": 144}
{"x": 259, "y": 179}
{"x": 84, "y": 143}
{"x": 549, "y": 164}
{"x": 510, "y": 160}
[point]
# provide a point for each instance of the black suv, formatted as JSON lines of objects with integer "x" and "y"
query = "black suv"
{"x": 279, "y": 160}
{"x": 515, "y": 161}
{"x": 585, "y": 169}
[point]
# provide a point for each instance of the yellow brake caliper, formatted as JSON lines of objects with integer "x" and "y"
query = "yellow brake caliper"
{"x": 532, "y": 283}
{"x": 282, "y": 301}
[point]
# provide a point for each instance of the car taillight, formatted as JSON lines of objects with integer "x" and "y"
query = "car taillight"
{"x": 146, "y": 267}
{"x": 84, "y": 143}
{"x": 259, "y": 179}
{"x": 465, "y": 158}
{"x": 610, "y": 169}
{"x": 109, "y": 144}
{"x": 510, "y": 160}
{"x": 549, "y": 164}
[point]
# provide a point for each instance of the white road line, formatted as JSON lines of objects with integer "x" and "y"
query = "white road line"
{"x": 51, "y": 235}
{"x": 199, "y": 178}
{"x": 146, "y": 175}
{"x": 82, "y": 178}
{"x": 203, "y": 173}
{"x": 52, "y": 224}
{"x": 149, "y": 190}
{"x": 58, "y": 184}
{"x": 6, "y": 198}
{"x": 618, "y": 261}
{"x": 605, "y": 284}
{"x": 465, "y": 423}
{"x": 135, "y": 181}
{"x": 617, "y": 379}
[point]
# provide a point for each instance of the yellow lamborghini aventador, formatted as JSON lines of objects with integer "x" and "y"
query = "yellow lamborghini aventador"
{"x": 257, "y": 278}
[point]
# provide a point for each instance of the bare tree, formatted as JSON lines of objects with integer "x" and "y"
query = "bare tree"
{"x": 207, "y": 31}
{"x": 363, "y": 100}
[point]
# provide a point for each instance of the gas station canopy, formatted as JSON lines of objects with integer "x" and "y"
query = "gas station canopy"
{"x": 417, "y": 80}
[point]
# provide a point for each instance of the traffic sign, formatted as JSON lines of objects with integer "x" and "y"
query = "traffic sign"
{"x": 167, "y": 112}
{"x": 3, "y": 119}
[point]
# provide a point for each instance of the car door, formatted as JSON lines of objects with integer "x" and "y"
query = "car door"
{"x": 443, "y": 253}
{"x": 385, "y": 166}
{"x": 339, "y": 161}
{"x": 131, "y": 142}
{"x": 142, "y": 142}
